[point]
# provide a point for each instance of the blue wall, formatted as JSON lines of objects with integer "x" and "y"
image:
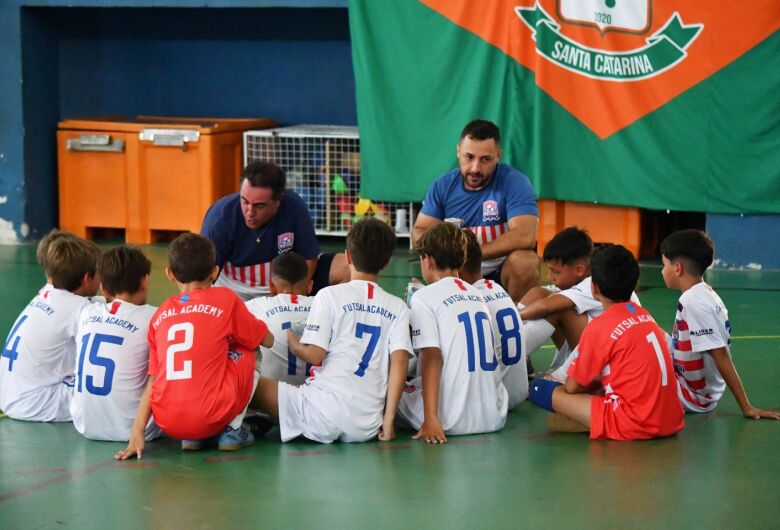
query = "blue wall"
{"x": 290, "y": 64}
{"x": 745, "y": 241}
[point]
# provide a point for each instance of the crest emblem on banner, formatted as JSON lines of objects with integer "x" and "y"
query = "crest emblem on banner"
{"x": 626, "y": 16}
{"x": 661, "y": 51}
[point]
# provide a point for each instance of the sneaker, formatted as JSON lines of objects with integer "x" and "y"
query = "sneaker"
{"x": 258, "y": 424}
{"x": 192, "y": 445}
{"x": 234, "y": 439}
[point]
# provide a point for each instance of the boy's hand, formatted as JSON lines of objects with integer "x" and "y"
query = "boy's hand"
{"x": 431, "y": 431}
{"x": 134, "y": 447}
{"x": 386, "y": 431}
{"x": 757, "y": 414}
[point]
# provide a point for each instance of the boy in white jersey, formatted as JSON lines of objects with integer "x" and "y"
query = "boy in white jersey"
{"x": 287, "y": 305}
{"x": 508, "y": 334}
{"x": 39, "y": 356}
{"x": 562, "y": 310}
{"x": 113, "y": 358}
{"x": 357, "y": 340}
{"x": 460, "y": 391}
{"x": 701, "y": 339}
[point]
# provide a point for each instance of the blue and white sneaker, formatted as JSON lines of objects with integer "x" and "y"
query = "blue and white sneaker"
{"x": 234, "y": 439}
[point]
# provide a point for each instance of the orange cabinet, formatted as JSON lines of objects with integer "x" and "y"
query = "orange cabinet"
{"x": 146, "y": 174}
{"x": 605, "y": 224}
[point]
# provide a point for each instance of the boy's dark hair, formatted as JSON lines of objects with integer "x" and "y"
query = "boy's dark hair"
{"x": 445, "y": 243}
{"x": 568, "y": 245}
{"x": 371, "y": 244}
{"x": 473, "y": 263}
{"x": 481, "y": 130}
{"x": 615, "y": 271}
{"x": 262, "y": 174}
{"x": 122, "y": 268}
{"x": 68, "y": 259}
{"x": 290, "y": 267}
{"x": 693, "y": 247}
{"x": 43, "y": 245}
{"x": 191, "y": 258}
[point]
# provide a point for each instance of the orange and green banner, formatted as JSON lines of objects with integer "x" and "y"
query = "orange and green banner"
{"x": 659, "y": 104}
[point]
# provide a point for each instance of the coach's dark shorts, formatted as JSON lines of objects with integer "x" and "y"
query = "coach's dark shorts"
{"x": 322, "y": 273}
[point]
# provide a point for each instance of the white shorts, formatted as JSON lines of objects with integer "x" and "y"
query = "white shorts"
{"x": 300, "y": 414}
{"x": 51, "y": 403}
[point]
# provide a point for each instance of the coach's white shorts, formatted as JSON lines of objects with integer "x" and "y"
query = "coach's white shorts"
{"x": 50, "y": 403}
{"x": 300, "y": 413}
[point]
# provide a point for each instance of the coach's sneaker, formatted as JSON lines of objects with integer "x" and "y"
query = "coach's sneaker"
{"x": 192, "y": 445}
{"x": 234, "y": 439}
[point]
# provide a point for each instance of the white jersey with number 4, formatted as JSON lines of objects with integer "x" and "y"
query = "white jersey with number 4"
{"x": 111, "y": 370}
{"x": 36, "y": 367}
{"x": 509, "y": 339}
{"x": 360, "y": 325}
{"x": 451, "y": 315}
{"x": 279, "y": 313}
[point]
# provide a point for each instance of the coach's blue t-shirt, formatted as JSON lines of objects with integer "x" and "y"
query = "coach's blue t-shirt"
{"x": 485, "y": 212}
{"x": 508, "y": 194}
{"x": 246, "y": 264}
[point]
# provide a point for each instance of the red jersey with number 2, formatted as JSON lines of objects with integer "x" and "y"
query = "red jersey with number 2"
{"x": 201, "y": 352}
{"x": 628, "y": 351}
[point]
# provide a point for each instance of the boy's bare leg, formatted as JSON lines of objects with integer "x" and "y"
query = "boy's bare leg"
{"x": 572, "y": 325}
{"x": 266, "y": 397}
{"x": 573, "y": 406}
{"x": 534, "y": 294}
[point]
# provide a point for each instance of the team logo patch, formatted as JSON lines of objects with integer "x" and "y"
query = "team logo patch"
{"x": 490, "y": 211}
{"x": 285, "y": 242}
{"x": 234, "y": 355}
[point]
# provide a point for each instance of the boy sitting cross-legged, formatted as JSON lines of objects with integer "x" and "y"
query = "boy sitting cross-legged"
{"x": 357, "y": 340}
{"x": 508, "y": 333}
{"x": 201, "y": 356}
{"x": 288, "y": 305}
{"x": 622, "y": 385}
{"x": 113, "y": 360}
{"x": 460, "y": 391}
{"x": 39, "y": 356}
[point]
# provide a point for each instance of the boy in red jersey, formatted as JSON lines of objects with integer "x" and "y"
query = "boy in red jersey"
{"x": 624, "y": 352}
{"x": 201, "y": 356}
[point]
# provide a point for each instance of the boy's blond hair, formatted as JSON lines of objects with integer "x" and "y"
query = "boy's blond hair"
{"x": 68, "y": 259}
{"x": 43, "y": 245}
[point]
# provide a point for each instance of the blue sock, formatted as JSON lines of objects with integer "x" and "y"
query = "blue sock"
{"x": 540, "y": 392}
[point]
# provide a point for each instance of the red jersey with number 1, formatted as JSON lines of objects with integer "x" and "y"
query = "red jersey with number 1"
{"x": 628, "y": 351}
{"x": 201, "y": 352}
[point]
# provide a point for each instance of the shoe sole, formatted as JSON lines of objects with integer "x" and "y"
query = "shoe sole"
{"x": 191, "y": 447}
{"x": 234, "y": 447}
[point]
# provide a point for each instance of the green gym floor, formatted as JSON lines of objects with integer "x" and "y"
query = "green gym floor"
{"x": 721, "y": 471}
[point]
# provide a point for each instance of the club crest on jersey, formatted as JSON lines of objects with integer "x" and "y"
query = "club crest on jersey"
{"x": 234, "y": 355}
{"x": 285, "y": 242}
{"x": 490, "y": 211}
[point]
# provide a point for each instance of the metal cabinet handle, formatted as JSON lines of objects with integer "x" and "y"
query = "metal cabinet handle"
{"x": 169, "y": 137}
{"x": 95, "y": 142}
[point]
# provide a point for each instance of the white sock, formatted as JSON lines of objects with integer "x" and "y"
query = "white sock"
{"x": 537, "y": 332}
